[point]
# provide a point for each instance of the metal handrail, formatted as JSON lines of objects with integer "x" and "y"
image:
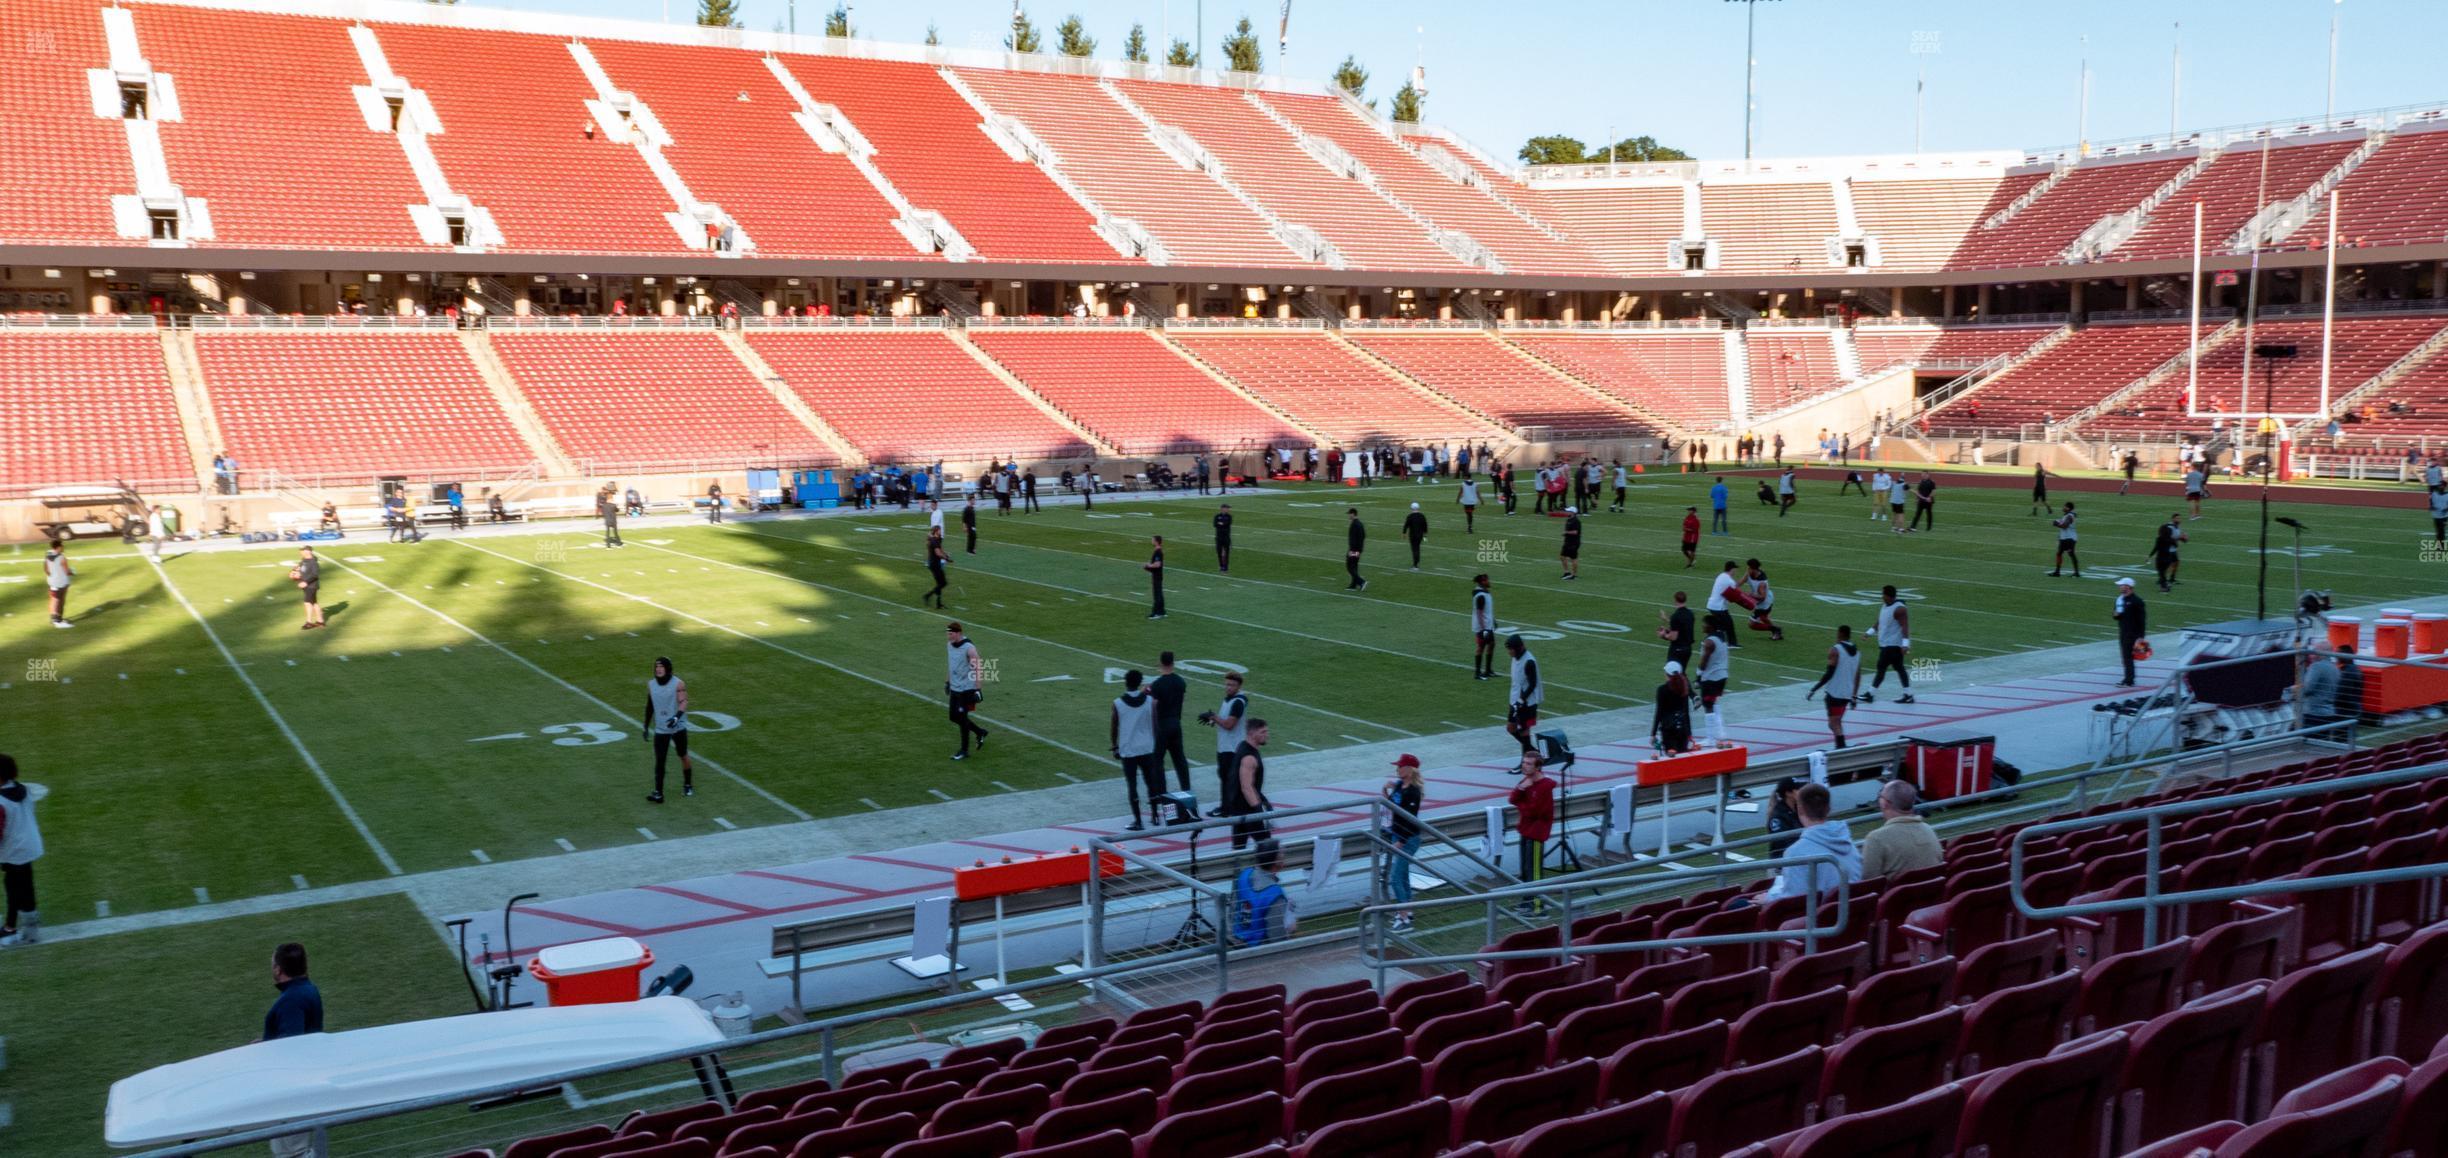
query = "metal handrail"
{"x": 1810, "y": 932}
{"x": 2154, "y": 817}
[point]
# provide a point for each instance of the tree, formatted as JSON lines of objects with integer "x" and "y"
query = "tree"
{"x": 1134, "y": 46}
{"x": 934, "y": 38}
{"x": 1024, "y": 36}
{"x": 1352, "y": 78}
{"x": 837, "y": 22}
{"x": 1071, "y": 37}
{"x": 1407, "y": 104}
{"x": 1553, "y": 150}
{"x": 718, "y": 13}
{"x": 1641, "y": 148}
{"x": 444, "y": 2}
{"x": 1241, "y": 48}
{"x": 1180, "y": 55}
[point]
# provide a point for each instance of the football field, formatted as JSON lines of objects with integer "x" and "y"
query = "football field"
{"x": 477, "y": 699}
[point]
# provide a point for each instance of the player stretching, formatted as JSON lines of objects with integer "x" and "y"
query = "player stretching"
{"x": 1483, "y": 629}
{"x": 667, "y": 725}
{"x": 1762, "y": 601}
{"x": 964, "y": 672}
{"x": 2065, "y": 545}
{"x": 1843, "y": 674}
{"x": 2166, "y": 548}
{"x": 1894, "y": 644}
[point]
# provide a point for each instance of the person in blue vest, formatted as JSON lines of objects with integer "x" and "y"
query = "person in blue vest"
{"x": 1261, "y": 910}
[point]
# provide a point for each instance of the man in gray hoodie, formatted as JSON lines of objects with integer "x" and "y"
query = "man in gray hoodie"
{"x": 1821, "y": 836}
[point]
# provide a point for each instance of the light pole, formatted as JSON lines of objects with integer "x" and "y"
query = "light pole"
{"x": 2329, "y": 110}
{"x": 1750, "y": 71}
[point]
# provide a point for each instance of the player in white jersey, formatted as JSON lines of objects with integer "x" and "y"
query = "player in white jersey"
{"x": 1468, "y": 496}
{"x": 1894, "y": 643}
{"x": 1897, "y": 494}
{"x": 1483, "y": 628}
{"x": 666, "y": 724}
{"x": 1881, "y": 483}
{"x": 2065, "y": 544}
{"x": 1714, "y": 665}
{"x": 1842, "y": 676}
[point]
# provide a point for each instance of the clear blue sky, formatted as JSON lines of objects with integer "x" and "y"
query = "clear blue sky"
{"x": 1836, "y": 76}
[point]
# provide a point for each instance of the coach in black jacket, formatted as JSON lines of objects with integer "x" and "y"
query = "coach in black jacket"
{"x": 2132, "y": 620}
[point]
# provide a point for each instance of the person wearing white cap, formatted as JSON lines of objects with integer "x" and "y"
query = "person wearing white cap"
{"x": 2133, "y": 622}
{"x": 1415, "y": 529}
{"x": 1571, "y": 552}
{"x": 1670, "y": 726}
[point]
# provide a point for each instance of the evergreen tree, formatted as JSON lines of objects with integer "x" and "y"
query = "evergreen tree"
{"x": 1407, "y": 104}
{"x": 1071, "y": 37}
{"x": 1024, "y": 35}
{"x": 1241, "y": 48}
{"x": 1134, "y": 46}
{"x": 1641, "y": 148}
{"x": 718, "y": 13}
{"x": 1181, "y": 56}
{"x": 1352, "y": 78}
{"x": 837, "y": 22}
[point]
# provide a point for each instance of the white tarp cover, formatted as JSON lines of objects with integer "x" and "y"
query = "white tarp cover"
{"x": 269, "y": 1082}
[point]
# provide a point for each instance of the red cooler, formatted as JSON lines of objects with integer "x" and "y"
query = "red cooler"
{"x": 2430, "y": 634}
{"x": 600, "y": 972}
{"x": 2390, "y": 637}
{"x": 2345, "y": 631}
{"x": 1944, "y": 764}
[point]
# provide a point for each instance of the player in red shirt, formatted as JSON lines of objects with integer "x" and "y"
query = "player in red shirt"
{"x": 1533, "y": 803}
{"x": 1691, "y": 537}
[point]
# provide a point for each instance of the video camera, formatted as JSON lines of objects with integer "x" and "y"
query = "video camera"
{"x": 1556, "y": 751}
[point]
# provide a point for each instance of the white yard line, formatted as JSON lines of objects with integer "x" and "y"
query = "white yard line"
{"x": 572, "y": 688}
{"x": 773, "y": 574}
{"x": 280, "y": 722}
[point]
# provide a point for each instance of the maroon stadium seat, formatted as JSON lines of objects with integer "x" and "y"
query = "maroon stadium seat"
{"x": 1882, "y": 1066}
{"x": 2058, "y": 1106}
{"x": 1739, "y": 1106}
{"x": 1417, "y": 1130}
{"x": 2188, "y": 1066}
{"x": 1639, "y": 1128}
{"x": 1667, "y": 1061}
{"x": 1221, "y": 1131}
{"x": 1509, "y": 1106}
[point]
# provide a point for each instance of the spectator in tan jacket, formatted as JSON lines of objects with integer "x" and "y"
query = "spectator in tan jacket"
{"x": 1905, "y": 842}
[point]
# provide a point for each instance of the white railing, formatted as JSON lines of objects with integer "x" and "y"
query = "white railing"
{"x": 79, "y": 322}
{"x": 2167, "y": 315}
{"x": 1056, "y": 322}
{"x": 844, "y": 322}
{"x": 1464, "y": 325}
{"x": 1244, "y": 323}
{"x": 1818, "y": 323}
{"x": 330, "y": 322}
{"x": 2362, "y": 120}
{"x": 2313, "y": 309}
{"x": 1642, "y": 324}
{"x": 599, "y": 322}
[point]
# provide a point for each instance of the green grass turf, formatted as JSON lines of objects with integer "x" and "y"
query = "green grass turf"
{"x": 810, "y": 634}
{"x": 115, "y": 1006}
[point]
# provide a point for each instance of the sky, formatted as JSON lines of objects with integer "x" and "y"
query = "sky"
{"x": 1835, "y": 76}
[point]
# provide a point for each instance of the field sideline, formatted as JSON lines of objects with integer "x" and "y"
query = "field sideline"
{"x": 476, "y": 698}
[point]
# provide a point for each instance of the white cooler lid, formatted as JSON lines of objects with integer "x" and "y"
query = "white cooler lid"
{"x": 592, "y": 956}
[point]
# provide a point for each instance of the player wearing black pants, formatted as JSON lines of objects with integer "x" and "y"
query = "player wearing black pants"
{"x": 1521, "y": 711}
{"x": 1155, "y": 569}
{"x": 2133, "y": 622}
{"x": 666, "y": 723}
{"x": 1894, "y": 636}
{"x": 1355, "y": 540}
{"x": 936, "y": 561}
{"x": 1169, "y": 690}
{"x": 1927, "y": 507}
{"x": 1415, "y": 529}
{"x": 1132, "y": 736}
{"x": 1223, "y": 532}
{"x": 2040, "y": 490}
{"x": 963, "y": 673}
{"x": 2167, "y": 550}
{"x": 1483, "y": 629}
{"x": 2065, "y": 544}
{"x": 1245, "y": 792}
{"x": 1230, "y": 720}
{"x": 969, "y": 522}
